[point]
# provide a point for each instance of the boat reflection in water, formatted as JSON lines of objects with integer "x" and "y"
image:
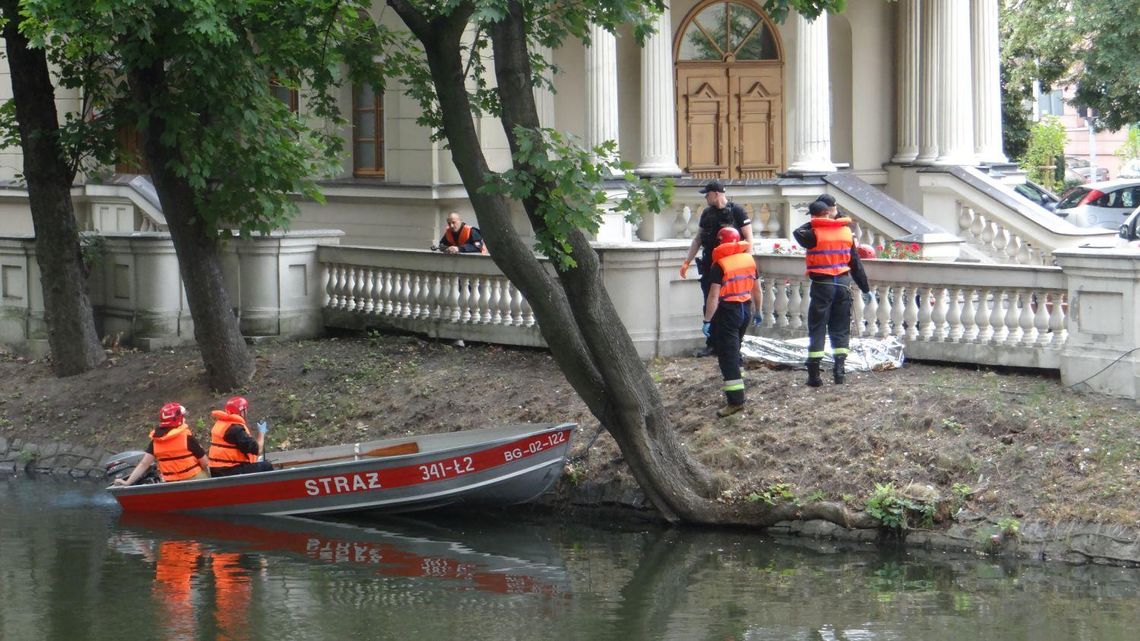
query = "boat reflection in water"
{"x": 505, "y": 561}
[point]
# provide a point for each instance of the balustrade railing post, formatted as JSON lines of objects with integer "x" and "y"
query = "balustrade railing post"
{"x": 1028, "y": 310}
{"x": 982, "y": 316}
{"x": 496, "y": 302}
{"x": 953, "y": 316}
{"x": 895, "y": 310}
{"x": 783, "y": 302}
{"x": 768, "y": 310}
{"x": 1059, "y": 318}
{"x": 798, "y": 304}
{"x": 911, "y": 313}
{"x": 969, "y": 322}
{"x": 1012, "y": 317}
{"x": 328, "y": 299}
{"x": 369, "y": 290}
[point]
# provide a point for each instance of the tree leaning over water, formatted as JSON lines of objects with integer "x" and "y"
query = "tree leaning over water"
{"x": 194, "y": 80}
{"x": 48, "y": 172}
{"x": 558, "y": 185}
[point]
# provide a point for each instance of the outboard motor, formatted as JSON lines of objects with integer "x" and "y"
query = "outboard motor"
{"x": 119, "y": 466}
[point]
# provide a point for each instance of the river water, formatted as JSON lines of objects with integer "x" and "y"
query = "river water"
{"x": 72, "y": 567}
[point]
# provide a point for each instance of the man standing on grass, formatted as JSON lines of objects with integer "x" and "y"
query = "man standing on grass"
{"x": 734, "y": 291}
{"x": 721, "y": 212}
{"x": 832, "y": 262}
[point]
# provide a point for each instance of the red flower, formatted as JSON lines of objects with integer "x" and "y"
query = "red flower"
{"x": 914, "y": 247}
{"x": 878, "y": 248}
{"x": 776, "y": 246}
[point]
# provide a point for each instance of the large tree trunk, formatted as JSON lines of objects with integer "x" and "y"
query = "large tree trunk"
{"x": 575, "y": 314}
{"x": 72, "y": 337}
{"x": 216, "y": 329}
{"x": 632, "y": 412}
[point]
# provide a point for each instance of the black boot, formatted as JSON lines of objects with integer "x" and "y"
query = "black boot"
{"x": 814, "y": 379}
{"x": 840, "y": 371}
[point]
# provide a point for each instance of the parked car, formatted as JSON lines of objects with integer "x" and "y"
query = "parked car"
{"x": 1037, "y": 194}
{"x": 1101, "y": 204}
{"x": 1131, "y": 169}
{"x": 1129, "y": 233}
{"x": 1082, "y": 168}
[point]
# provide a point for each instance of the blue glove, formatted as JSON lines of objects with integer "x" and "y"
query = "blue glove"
{"x": 706, "y": 328}
{"x": 866, "y": 298}
{"x": 757, "y": 320}
{"x": 262, "y": 426}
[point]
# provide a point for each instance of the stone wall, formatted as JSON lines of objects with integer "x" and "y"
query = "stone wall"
{"x": 20, "y": 457}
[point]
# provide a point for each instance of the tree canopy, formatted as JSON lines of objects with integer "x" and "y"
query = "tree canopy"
{"x": 195, "y": 81}
{"x": 242, "y": 151}
{"x": 1091, "y": 44}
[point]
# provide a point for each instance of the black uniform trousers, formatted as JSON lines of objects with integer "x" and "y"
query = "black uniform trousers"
{"x": 829, "y": 314}
{"x": 729, "y": 325}
{"x": 242, "y": 468}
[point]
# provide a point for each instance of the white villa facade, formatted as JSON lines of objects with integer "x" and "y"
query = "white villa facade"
{"x": 893, "y": 107}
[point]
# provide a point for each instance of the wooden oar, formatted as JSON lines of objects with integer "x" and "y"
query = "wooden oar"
{"x": 390, "y": 450}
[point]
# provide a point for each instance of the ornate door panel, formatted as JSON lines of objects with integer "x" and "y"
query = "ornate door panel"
{"x": 703, "y": 122}
{"x": 757, "y": 120}
{"x": 730, "y": 79}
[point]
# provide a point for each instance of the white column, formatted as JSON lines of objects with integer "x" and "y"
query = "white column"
{"x": 543, "y": 96}
{"x": 955, "y": 91}
{"x": 908, "y": 37}
{"x": 928, "y": 97}
{"x": 601, "y": 87}
{"x": 811, "y": 120}
{"x": 987, "y": 82}
{"x": 658, "y": 111}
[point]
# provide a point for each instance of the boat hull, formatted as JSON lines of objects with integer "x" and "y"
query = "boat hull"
{"x": 498, "y": 466}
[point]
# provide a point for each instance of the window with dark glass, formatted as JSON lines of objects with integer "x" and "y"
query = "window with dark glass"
{"x": 285, "y": 95}
{"x": 367, "y": 132}
{"x": 726, "y": 32}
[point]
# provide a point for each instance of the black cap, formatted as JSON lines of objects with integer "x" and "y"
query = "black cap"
{"x": 713, "y": 185}
{"x": 827, "y": 199}
{"x": 818, "y": 207}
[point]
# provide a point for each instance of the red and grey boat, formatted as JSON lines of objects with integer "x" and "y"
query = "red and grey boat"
{"x": 495, "y": 466}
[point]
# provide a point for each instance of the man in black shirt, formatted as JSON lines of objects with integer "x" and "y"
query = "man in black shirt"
{"x": 720, "y": 213}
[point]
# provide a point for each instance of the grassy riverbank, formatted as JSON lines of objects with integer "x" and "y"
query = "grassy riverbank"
{"x": 1015, "y": 447}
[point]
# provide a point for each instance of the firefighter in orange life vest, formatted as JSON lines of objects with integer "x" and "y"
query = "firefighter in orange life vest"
{"x": 832, "y": 263}
{"x": 179, "y": 455}
{"x": 734, "y": 291}
{"x": 461, "y": 238}
{"x": 233, "y": 449}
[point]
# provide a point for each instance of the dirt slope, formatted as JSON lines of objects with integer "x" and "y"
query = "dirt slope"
{"x": 1011, "y": 444}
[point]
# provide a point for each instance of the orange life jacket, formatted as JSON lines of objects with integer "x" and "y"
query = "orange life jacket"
{"x": 739, "y": 267}
{"x": 222, "y": 452}
{"x": 172, "y": 451}
{"x": 464, "y": 236}
{"x": 833, "y": 245}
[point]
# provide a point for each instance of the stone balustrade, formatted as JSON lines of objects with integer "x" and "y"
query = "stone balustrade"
{"x": 957, "y": 312}
{"x": 137, "y": 295}
{"x": 990, "y": 217}
{"x": 462, "y": 296}
{"x": 1078, "y": 317}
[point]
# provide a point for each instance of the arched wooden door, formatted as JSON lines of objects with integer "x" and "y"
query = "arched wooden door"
{"x": 730, "y": 79}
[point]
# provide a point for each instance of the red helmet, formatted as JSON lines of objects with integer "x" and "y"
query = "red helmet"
{"x": 727, "y": 235}
{"x": 866, "y": 251}
{"x": 171, "y": 415}
{"x": 237, "y": 405}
